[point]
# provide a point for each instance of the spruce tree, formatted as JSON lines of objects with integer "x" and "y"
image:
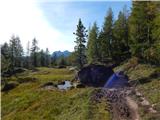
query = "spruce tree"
{"x": 138, "y": 29}
{"x": 151, "y": 10}
{"x": 92, "y": 45}
{"x": 34, "y": 52}
{"x": 141, "y": 25}
{"x": 5, "y": 50}
{"x": 5, "y": 57}
{"x": 42, "y": 58}
{"x": 152, "y": 54}
{"x": 47, "y": 58}
{"x": 106, "y": 36}
{"x": 120, "y": 41}
{"x": 103, "y": 50}
{"x": 156, "y": 24}
{"x": 16, "y": 52}
{"x": 80, "y": 48}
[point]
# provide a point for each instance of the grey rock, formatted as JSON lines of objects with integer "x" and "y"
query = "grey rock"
{"x": 94, "y": 75}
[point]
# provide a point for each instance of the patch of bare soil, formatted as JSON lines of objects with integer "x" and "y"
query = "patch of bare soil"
{"x": 133, "y": 108}
{"x": 122, "y": 106}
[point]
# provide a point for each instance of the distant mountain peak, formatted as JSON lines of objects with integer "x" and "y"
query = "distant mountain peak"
{"x": 59, "y": 53}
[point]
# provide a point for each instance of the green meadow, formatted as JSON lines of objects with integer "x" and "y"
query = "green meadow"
{"x": 29, "y": 101}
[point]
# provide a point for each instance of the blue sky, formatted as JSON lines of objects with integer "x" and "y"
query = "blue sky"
{"x": 52, "y": 23}
{"x": 65, "y": 15}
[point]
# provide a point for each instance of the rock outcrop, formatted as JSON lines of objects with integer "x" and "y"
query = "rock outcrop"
{"x": 94, "y": 75}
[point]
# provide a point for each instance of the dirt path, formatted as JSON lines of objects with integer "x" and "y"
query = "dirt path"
{"x": 122, "y": 106}
{"x": 133, "y": 108}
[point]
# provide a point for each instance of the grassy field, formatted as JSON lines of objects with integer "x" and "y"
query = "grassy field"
{"x": 28, "y": 102}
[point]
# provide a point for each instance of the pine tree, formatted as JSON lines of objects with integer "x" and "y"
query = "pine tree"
{"x": 120, "y": 41}
{"x": 152, "y": 54}
{"x": 141, "y": 27}
{"x": 47, "y": 58}
{"x": 103, "y": 50}
{"x": 34, "y": 53}
{"x": 5, "y": 57}
{"x": 42, "y": 58}
{"x": 12, "y": 51}
{"x": 80, "y": 48}
{"x": 106, "y": 36}
{"x": 16, "y": 52}
{"x": 151, "y": 10}
{"x": 138, "y": 29}
{"x": 19, "y": 53}
{"x": 5, "y": 50}
{"x": 156, "y": 24}
{"x": 92, "y": 45}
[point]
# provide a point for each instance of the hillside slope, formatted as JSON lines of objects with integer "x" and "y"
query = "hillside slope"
{"x": 146, "y": 82}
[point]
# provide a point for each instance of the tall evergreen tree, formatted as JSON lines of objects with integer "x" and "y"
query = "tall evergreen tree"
{"x": 42, "y": 58}
{"x": 106, "y": 36}
{"x": 103, "y": 50}
{"x": 156, "y": 24}
{"x": 80, "y": 48}
{"x": 92, "y": 45}
{"x": 34, "y": 52}
{"x": 151, "y": 10}
{"x": 152, "y": 54}
{"x": 16, "y": 52}
{"x": 138, "y": 29}
{"x": 5, "y": 50}
{"x": 47, "y": 58}
{"x": 120, "y": 42}
{"x": 141, "y": 25}
{"x": 5, "y": 57}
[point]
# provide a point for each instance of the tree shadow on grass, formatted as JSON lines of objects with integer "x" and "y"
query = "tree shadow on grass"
{"x": 145, "y": 80}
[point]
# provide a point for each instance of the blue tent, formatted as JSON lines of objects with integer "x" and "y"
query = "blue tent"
{"x": 117, "y": 80}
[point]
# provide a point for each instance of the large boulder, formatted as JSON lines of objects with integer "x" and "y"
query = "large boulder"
{"x": 94, "y": 75}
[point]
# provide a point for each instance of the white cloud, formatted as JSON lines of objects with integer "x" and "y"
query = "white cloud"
{"x": 25, "y": 19}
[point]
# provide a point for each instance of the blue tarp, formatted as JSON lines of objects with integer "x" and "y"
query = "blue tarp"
{"x": 117, "y": 80}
